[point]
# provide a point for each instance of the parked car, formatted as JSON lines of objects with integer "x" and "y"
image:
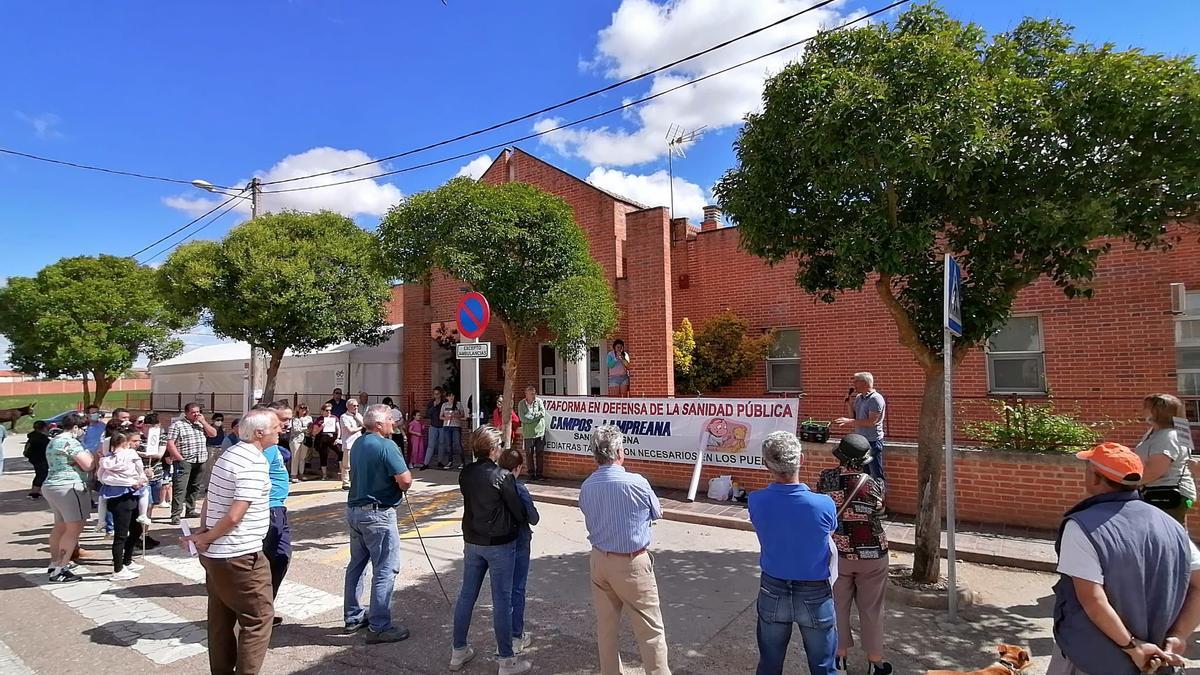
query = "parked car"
{"x": 52, "y": 422}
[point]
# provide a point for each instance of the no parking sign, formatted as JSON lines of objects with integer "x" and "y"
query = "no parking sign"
{"x": 474, "y": 314}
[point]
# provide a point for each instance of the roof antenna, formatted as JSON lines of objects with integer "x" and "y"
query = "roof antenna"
{"x": 677, "y": 139}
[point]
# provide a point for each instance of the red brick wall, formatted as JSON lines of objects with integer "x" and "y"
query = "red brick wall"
{"x": 68, "y": 387}
{"x": 648, "y": 334}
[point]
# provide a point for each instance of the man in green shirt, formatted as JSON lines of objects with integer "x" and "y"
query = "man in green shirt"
{"x": 532, "y": 412}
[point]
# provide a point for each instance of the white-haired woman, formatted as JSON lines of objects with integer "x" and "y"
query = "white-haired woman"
{"x": 793, "y": 525}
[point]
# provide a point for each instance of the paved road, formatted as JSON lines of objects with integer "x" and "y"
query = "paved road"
{"x": 708, "y": 578}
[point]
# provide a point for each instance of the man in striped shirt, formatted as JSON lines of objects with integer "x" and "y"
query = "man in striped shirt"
{"x": 230, "y": 542}
{"x": 618, "y": 508}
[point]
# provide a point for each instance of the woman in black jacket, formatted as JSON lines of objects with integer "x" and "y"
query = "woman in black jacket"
{"x": 492, "y": 517}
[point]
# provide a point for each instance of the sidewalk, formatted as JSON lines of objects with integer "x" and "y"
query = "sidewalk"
{"x": 1002, "y": 545}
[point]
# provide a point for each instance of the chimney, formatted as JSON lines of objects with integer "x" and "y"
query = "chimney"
{"x": 712, "y": 218}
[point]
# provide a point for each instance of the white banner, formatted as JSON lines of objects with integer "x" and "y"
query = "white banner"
{"x": 729, "y": 430}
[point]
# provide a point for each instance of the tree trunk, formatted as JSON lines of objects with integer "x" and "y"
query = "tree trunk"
{"x": 103, "y": 384}
{"x": 513, "y": 349}
{"x": 273, "y": 370}
{"x": 87, "y": 395}
{"x": 931, "y": 433}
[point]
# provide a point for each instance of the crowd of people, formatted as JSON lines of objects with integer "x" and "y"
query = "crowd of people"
{"x": 1128, "y": 598}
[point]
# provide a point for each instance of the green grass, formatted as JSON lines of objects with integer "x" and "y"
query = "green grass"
{"x": 49, "y": 405}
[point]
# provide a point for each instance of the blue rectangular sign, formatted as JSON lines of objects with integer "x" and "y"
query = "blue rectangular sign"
{"x": 952, "y": 296}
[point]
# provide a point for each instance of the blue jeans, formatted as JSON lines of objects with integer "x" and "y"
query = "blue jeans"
{"x": 875, "y": 468}
{"x": 373, "y": 539}
{"x": 452, "y": 444}
{"x": 477, "y": 561}
{"x": 808, "y": 604}
{"x": 433, "y": 446}
{"x": 520, "y": 576}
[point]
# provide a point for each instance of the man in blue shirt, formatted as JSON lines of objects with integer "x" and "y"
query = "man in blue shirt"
{"x": 793, "y": 525}
{"x": 378, "y": 479}
{"x": 867, "y": 411}
{"x": 94, "y": 433}
{"x": 618, "y": 508}
{"x": 277, "y": 545}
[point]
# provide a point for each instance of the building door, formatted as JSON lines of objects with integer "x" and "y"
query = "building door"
{"x": 597, "y": 378}
{"x": 553, "y": 371}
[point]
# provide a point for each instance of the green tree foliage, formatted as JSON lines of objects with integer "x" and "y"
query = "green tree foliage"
{"x": 518, "y": 246}
{"x": 299, "y": 281}
{"x": 88, "y": 315}
{"x": 1021, "y": 426}
{"x": 683, "y": 344}
{"x": 1024, "y": 155}
{"x": 722, "y": 353}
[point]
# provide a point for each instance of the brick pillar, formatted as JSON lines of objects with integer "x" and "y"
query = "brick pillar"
{"x": 648, "y": 311}
{"x": 414, "y": 371}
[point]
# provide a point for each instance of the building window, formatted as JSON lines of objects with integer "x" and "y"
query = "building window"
{"x": 1016, "y": 358}
{"x": 783, "y": 361}
{"x": 1187, "y": 355}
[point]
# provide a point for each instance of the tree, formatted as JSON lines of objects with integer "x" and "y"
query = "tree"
{"x": 720, "y": 354}
{"x": 1024, "y": 156}
{"x": 518, "y": 246}
{"x": 291, "y": 280}
{"x": 88, "y": 316}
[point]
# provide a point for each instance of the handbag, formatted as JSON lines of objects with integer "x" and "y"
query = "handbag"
{"x": 1164, "y": 497}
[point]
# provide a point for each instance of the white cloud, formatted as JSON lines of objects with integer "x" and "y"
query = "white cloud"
{"x": 475, "y": 168}
{"x": 653, "y": 190}
{"x": 44, "y": 125}
{"x": 365, "y": 197}
{"x": 644, "y": 34}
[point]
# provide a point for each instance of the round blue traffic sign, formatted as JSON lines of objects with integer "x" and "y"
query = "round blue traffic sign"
{"x": 474, "y": 314}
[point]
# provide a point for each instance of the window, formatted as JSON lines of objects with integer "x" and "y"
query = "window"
{"x": 783, "y": 361}
{"x": 1015, "y": 358}
{"x": 1187, "y": 354}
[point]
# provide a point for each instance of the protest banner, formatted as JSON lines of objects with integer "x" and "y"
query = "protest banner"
{"x": 729, "y": 430}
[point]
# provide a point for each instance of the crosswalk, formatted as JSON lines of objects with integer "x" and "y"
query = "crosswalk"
{"x": 161, "y": 636}
{"x": 296, "y": 601}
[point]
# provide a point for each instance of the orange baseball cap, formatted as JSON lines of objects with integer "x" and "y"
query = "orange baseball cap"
{"x": 1115, "y": 462}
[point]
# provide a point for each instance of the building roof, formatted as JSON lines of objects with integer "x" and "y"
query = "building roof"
{"x": 514, "y": 149}
{"x": 234, "y": 351}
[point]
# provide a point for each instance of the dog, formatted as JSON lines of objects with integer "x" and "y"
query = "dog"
{"x": 1012, "y": 660}
{"x": 11, "y": 415}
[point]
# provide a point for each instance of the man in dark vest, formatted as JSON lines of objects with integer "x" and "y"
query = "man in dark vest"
{"x": 1130, "y": 586}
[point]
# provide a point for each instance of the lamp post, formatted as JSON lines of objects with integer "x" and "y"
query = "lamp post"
{"x": 255, "y": 189}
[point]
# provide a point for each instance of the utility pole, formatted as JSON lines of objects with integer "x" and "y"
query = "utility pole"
{"x": 255, "y": 188}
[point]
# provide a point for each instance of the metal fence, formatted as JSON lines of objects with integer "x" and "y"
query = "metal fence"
{"x": 232, "y": 403}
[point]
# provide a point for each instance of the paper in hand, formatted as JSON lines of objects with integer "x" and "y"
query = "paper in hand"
{"x": 187, "y": 532}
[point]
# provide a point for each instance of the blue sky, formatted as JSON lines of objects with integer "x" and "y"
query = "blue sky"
{"x": 227, "y": 90}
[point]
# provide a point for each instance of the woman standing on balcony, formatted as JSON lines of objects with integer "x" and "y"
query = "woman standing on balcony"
{"x": 1167, "y": 481}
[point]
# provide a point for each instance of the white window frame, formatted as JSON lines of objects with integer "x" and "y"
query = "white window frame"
{"x": 1182, "y": 343}
{"x": 1040, "y": 354}
{"x": 798, "y": 361}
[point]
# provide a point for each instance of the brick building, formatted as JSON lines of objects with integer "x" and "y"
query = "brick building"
{"x": 1098, "y": 356}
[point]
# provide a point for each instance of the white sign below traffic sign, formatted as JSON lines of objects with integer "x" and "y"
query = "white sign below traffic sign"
{"x": 473, "y": 350}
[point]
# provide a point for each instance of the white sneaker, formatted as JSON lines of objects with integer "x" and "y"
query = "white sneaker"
{"x": 124, "y": 575}
{"x": 460, "y": 657}
{"x": 520, "y": 644}
{"x": 514, "y": 666}
{"x": 144, "y": 520}
{"x": 134, "y": 567}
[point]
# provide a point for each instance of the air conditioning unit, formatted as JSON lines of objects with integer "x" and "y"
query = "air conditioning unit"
{"x": 1178, "y": 299}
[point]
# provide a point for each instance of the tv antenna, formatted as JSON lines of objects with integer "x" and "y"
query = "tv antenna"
{"x": 677, "y": 137}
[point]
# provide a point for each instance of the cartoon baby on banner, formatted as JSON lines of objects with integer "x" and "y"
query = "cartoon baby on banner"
{"x": 722, "y": 435}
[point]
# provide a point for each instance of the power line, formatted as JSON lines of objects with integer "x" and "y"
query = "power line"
{"x": 189, "y": 224}
{"x": 101, "y": 169}
{"x": 589, "y": 118}
{"x": 556, "y": 106}
{"x": 193, "y": 232}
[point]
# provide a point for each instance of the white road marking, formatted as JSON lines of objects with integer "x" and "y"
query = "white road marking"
{"x": 159, "y": 635}
{"x": 295, "y": 601}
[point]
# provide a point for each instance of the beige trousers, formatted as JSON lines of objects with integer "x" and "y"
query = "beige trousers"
{"x": 861, "y": 583}
{"x": 620, "y": 582}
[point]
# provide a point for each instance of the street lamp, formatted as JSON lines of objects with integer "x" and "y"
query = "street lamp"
{"x": 254, "y": 187}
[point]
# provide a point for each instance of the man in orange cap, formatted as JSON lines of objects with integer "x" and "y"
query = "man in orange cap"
{"x": 1130, "y": 586}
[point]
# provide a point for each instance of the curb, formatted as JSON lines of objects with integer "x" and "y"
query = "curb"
{"x": 727, "y": 522}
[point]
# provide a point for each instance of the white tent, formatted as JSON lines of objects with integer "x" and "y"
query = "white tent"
{"x": 219, "y": 369}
